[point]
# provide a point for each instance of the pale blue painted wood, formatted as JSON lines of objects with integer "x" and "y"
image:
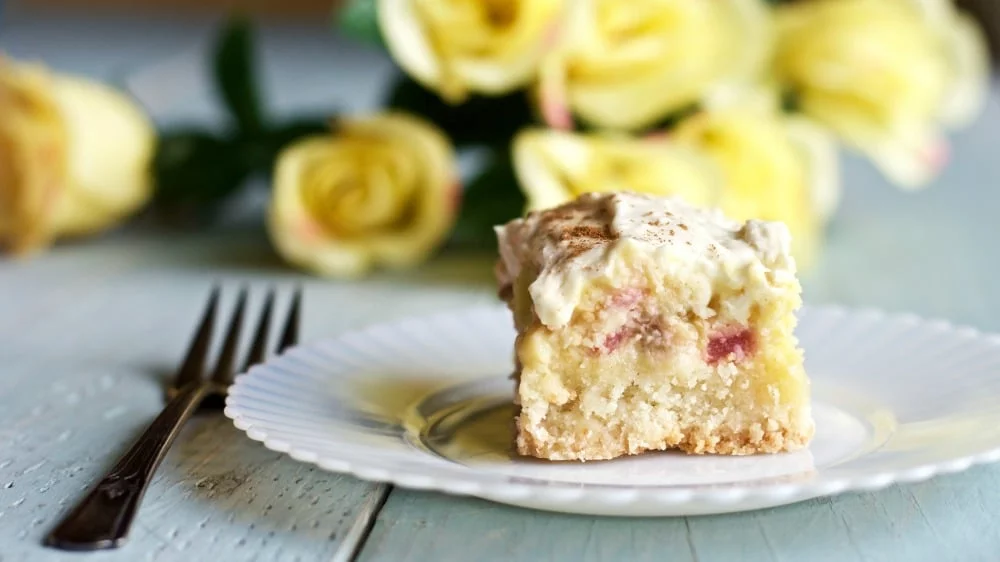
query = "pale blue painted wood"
{"x": 87, "y": 335}
{"x": 80, "y": 369}
{"x": 944, "y": 520}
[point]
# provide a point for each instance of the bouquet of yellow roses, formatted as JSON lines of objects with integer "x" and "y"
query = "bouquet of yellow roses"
{"x": 740, "y": 104}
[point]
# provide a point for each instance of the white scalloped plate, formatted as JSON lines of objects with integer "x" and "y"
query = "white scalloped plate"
{"x": 424, "y": 403}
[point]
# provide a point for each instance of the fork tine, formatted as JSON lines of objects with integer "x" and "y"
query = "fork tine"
{"x": 193, "y": 366}
{"x": 290, "y": 336}
{"x": 259, "y": 346}
{"x": 223, "y": 373}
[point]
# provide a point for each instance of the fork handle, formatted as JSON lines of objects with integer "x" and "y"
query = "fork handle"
{"x": 102, "y": 520}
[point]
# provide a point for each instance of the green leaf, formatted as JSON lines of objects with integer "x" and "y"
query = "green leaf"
{"x": 200, "y": 169}
{"x": 671, "y": 121}
{"x": 280, "y": 137}
{"x": 359, "y": 19}
{"x": 791, "y": 102}
{"x": 235, "y": 68}
{"x": 480, "y": 120}
{"x": 261, "y": 153}
{"x": 196, "y": 168}
{"x": 492, "y": 198}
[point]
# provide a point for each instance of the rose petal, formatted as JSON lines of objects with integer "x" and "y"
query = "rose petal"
{"x": 392, "y": 176}
{"x": 555, "y": 109}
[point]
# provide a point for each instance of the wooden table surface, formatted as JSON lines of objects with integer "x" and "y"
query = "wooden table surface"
{"x": 89, "y": 332}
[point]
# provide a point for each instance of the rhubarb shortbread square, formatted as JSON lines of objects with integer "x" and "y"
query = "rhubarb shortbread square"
{"x": 646, "y": 324}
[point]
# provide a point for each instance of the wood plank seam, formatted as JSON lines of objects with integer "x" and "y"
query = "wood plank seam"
{"x": 357, "y": 537}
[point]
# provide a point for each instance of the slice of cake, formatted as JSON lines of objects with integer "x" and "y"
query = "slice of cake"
{"x": 647, "y": 324}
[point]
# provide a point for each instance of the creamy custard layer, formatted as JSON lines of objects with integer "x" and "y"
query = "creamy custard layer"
{"x": 564, "y": 248}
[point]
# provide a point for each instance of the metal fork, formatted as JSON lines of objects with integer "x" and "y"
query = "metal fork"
{"x": 102, "y": 520}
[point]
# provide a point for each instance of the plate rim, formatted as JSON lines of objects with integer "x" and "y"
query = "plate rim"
{"x": 506, "y": 488}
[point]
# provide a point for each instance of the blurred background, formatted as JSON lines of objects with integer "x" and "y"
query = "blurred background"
{"x": 160, "y": 49}
{"x": 159, "y": 52}
{"x": 307, "y": 67}
{"x": 317, "y": 12}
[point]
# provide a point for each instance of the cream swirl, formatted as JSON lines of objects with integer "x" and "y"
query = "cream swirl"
{"x": 592, "y": 236}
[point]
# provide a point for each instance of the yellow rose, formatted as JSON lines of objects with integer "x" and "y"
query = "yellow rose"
{"x": 74, "y": 157}
{"x": 554, "y": 167}
{"x": 456, "y": 47}
{"x": 885, "y": 75}
{"x": 381, "y": 190}
{"x": 776, "y": 168}
{"x": 627, "y": 65}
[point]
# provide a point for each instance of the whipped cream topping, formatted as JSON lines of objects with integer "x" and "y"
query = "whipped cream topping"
{"x": 566, "y": 246}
